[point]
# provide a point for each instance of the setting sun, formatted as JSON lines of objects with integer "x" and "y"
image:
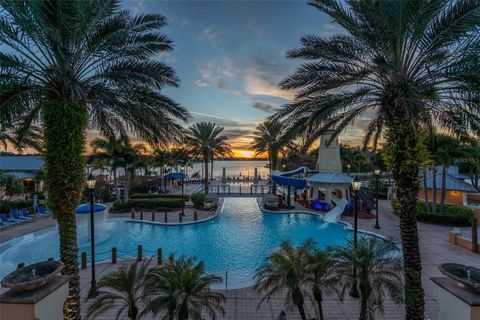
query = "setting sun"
{"x": 243, "y": 153}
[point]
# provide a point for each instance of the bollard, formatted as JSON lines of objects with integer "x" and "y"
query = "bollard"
{"x": 251, "y": 189}
{"x": 114, "y": 255}
{"x": 141, "y": 214}
{"x": 153, "y": 215}
{"x": 218, "y": 189}
{"x": 132, "y": 213}
{"x": 195, "y": 215}
{"x": 180, "y": 217}
{"x": 166, "y": 217}
{"x": 84, "y": 260}
{"x": 21, "y": 265}
{"x": 159, "y": 256}
{"x": 139, "y": 253}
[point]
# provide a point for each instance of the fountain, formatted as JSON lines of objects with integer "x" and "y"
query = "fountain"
{"x": 466, "y": 277}
{"x": 33, "y": 276}
{"x": 37, "y": 291}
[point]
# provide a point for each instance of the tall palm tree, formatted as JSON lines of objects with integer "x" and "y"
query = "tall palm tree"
{"x": 180, "y": 289}
{"x": 284, "y": 271}
{"x": 378, "y": 272}
{"x": 121, "y": 290}
{"x": 413, "y": 65}
{"x": 67, "y": 64}
{"x": 319, "y": 272}
{"x": 107, "y": 150}
{"x": 269, "y": 137}
{"x": 205, "y": 139}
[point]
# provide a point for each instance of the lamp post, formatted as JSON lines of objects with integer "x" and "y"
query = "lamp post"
{"x": 91, "y": 181}
{"x": 149, "y": 181}
{"x": 356, "y": 184}
{"x": 183, "y": 190}
{"x": 164, "y": 187}
{"x": 377, "y": 176}
{"x": 348, "y": 168}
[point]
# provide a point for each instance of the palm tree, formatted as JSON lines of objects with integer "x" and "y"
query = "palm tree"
{"x": 378, "y": 271}
{"x": 121, "y": 290}
{"x": 107, "y": 150}
{"x": 20, "y": 139}
{"x": 219, "y": 149}
{"x": 269, "y": 137}
{"x": 204, "y": 140}
{"x": 283, "y": 271}
{"x": 319, "y": 272}
{"x": 180, "y": 289}
{"x": 67, "y": 64}
{"x": 413, "y": 65}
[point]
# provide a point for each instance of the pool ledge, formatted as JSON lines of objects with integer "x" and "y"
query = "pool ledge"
{"x": 217, "y": 212}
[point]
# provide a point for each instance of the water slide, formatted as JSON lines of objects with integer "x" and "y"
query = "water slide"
{"x": 334, "y": 214}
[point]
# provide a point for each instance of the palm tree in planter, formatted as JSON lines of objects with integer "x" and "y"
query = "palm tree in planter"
{"x": 379, "y": 271}
{"x": 412, "y": 65}
{"x": 205, "y": 139}
{"x": 180, "y": 289}
{"x": 69, "y": 64}
{"x": 284, "y": 272}
{"x": 122, "y": 291}
{"x": 319, "y": 272}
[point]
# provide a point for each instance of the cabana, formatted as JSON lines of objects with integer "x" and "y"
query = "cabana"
{"x": 457, "y": 190}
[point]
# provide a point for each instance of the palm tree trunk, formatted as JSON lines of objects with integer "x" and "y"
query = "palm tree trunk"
{"x": 444, "y": 188}
{"x": 115, "y": 183}
{"x": 64, "y": 132}
{"x": 301, "y": 310}
{"x": 434, "y": 189}
{"x": 211, "y": 168}
{"x": 425, "y": 191}
{"x": 317, "y": 295}
{"x": 405, "y": 166}
{"x": 205, "y": 159}
{"x": 127, "y": 185}
{"x": 364, "y": 312}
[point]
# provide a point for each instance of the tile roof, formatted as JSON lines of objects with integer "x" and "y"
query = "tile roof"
{"x": 21, "y": 163}
{"x": 452, "y": 183}
{"x": 330, "y": 178}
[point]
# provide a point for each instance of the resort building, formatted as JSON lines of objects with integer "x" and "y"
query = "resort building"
{"x": 458, "y": 192}
{"x": 25, "y": 169}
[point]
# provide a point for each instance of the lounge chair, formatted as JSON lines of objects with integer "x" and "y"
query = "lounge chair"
{"x": 25, "y": 213}
{"x": 42, "y": 211}
{"x": 271, "y": 202}
{"x": 6, "y": 220}
{"x": 14, "y": 214}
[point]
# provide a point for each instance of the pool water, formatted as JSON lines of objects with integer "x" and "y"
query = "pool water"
{"x": 239, "y": 239}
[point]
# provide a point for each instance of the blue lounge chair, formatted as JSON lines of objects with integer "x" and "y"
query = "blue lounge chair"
{"x": 42, "y": 211}
{"x": 25, "y": 213}
{"x": 14, "y": 214}
{"x": 6, "y": 220}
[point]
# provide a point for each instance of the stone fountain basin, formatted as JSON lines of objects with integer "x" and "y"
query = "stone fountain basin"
{"x": 32, "y": 276}
{"x": 467, "y": 277}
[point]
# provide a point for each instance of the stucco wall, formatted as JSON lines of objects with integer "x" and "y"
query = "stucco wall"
{"x": 451, "y": 197}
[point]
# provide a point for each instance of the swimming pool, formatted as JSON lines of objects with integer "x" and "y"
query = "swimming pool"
{"x": 238, "y": 239}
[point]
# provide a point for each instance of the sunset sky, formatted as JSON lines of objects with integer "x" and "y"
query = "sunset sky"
{"x": 230, "y": 56}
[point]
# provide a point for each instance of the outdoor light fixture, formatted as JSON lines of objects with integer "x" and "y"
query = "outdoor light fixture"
{"x": 377, "y": 175}
{"x": 91, "y": 181}
{"x": 356, "y": 185}
{"x": 91, "y": 185}
{"x": 182, "y": 169}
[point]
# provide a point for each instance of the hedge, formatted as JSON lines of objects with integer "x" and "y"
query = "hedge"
{"x": 148, "y": 204}
{"x": 382, "y": 189}
{"x": 198, "y": 199}
{"x": 452, "y": 215}
{"x": 157, "y": 196}
{"x": 6, "y": 205}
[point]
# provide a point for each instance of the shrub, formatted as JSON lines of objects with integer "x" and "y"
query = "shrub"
{"x": 157, "y": 196}
{"x": 452, "y": 215}
{"x": 6, "y": 206}
{"x": 151, "y": 204}
{"x": 382, "y": 189}
{"x": 198, "y": 199}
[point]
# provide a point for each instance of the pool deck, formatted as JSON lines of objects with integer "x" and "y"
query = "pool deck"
{"x": 242, "y": 303}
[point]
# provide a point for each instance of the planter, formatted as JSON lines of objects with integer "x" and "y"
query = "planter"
{"x": 32, "y": 276}
{"x": 465, "y": 276}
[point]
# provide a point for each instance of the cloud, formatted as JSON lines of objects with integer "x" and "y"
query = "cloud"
{"x": 199, "y": 116}
{"x": 261, "y": 85}
{"x": 209, "y": 34}
{"x": 201, "y": 84}
{"x": 223, "y": 85}
{"x": 270, "y": 108}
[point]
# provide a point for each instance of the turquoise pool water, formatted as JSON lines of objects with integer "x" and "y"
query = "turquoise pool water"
{"x": 239, "y": 239}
